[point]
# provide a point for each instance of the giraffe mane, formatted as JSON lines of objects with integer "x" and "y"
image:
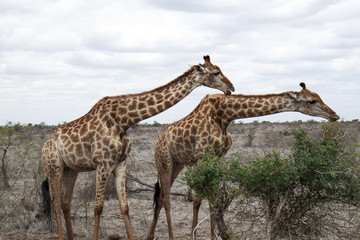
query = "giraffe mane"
{"x": 261, "y": 95}
{"x": 185, "y": 74}
{"x": 218, "y": 95}
{"x": 99, "y": 103}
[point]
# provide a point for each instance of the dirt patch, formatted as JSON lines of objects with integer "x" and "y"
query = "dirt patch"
{"x": 20, "y": 213}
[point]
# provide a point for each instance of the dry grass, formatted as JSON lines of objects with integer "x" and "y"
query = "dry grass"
{"x": 20, "y": 206}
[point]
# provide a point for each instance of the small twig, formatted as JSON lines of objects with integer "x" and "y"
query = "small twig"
{"x": 129, "y": 176}
{"x": 198, "y": 225}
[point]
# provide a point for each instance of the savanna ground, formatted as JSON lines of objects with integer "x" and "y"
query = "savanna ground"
{"x": 20, "y": 204}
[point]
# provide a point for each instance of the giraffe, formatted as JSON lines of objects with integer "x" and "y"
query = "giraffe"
{"x": 98, "y": 141}
{"x": 183, "y": 142}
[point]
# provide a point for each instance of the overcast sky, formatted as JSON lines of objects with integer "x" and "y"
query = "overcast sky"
{"x": 58, "y": 58}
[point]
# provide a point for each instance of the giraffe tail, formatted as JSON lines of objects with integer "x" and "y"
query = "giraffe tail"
{"x": 46, "y": 198}
{"x": 156, "y": 196}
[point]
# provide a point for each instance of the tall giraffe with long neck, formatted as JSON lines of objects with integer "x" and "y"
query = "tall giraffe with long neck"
{"x": 183, "y": 142}
{"x": 98, "y": 141}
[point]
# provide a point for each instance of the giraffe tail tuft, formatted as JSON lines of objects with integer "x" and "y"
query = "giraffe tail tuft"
{"x": 156, "y": 195}
{"x": 46, "y": 198}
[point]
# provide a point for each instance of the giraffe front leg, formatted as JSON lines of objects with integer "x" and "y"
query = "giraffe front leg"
{"x": 120, "y": 179}
{"x": 102, "y": 176}
{"x": 69, "y": 178}
{"x": 55, "y": 183}
{"x": 196, "y": 207}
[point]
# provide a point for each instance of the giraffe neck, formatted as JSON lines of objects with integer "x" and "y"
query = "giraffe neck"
{"x": 239, "y": 106}
{"x": 125, "y": 110}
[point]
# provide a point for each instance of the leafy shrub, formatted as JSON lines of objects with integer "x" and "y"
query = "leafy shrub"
{"x": 204, "y": 176}
{"x": 293, "y": 189}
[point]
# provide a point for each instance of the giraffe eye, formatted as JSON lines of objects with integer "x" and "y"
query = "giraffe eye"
{"x": 216, "y": 73}
{"x": 312, "y": 101}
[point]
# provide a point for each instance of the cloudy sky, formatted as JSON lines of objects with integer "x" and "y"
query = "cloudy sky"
{"x": 58, "y": 58}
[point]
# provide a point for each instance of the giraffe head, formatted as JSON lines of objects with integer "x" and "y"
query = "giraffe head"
{"x": 310, "y": 103}
{"x": 211, "y": 76}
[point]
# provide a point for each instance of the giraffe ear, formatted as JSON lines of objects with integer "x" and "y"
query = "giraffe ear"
{"x": 292, "y": 95}
{"x": 199, "y": 68}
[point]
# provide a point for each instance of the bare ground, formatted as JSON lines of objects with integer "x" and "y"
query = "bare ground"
{"x": 20, "y": 212}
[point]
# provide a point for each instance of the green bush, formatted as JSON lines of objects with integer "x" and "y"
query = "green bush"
{"x": 204, "y": 176}
{"x": 321, "y": 168}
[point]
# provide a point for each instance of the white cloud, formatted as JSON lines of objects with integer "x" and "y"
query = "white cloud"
{"x": 65, "y": 55}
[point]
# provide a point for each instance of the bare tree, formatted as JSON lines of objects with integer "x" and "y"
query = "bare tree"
{"x": 8, "y": 134}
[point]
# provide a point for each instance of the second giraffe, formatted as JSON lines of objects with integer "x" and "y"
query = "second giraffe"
{"x": 183, "y": 142}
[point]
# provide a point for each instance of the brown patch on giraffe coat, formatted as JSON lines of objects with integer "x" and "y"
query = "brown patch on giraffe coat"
{"x": 273, "y": 108}
{"x": 251, "y": 103}
{"x": 206, "y": 109}
{"x": 229, "y": 112}
{"x": 258, "y": 105}
{"x": 168, "y": 95}
{"x": 158, "y": 96}
{"x": 110, "y": 123}
{"x": 193, "y": 130}
{"x": 143, "y": 111}
{"x": 204, "y": 134}
{"x": 71, "y": 148}
{"x": 113, "y": 115}
{"x": 64, "y": 130}
{"x": 152, "y": 111}
{"x": 264, "y": 108}
{"x": 105, "y": 118}
{"x": 79, "y": 150}
{"x": 180, "y": 132}
{"x": 217, "y": 134}
{"x": 83, "y": 129}
{"x": 122, "y": 110}
{"x": 114, "y": 107}
{"x": 250, "y": 113}
{"x": 267, "y": 112}
{"x": 132, "y": 106}
{"x": 167, "y": 104}
{"x": 133, "y": 114}
{"x": 141, "y": 105}
{"x": 74, "y": 138}
{"x": 160, "y": 108}
{"x": 150, "y": 101}
{"x": 237, "y": 106}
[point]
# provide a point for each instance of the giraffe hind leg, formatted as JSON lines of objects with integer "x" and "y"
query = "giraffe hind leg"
{"x": 158, "y": 203}
{"x": 54, "y": 172}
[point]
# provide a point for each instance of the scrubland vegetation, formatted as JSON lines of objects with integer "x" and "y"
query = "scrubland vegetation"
{"x": 296, "y": 180}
